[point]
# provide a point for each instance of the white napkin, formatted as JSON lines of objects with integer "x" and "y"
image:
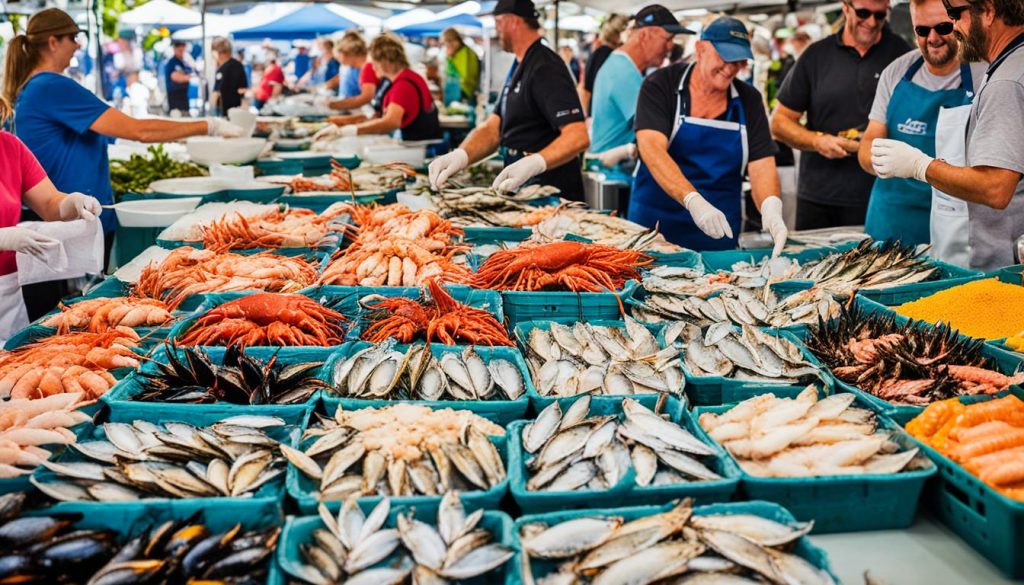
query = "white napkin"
{"x": 233, "y": 173}
{"x": 80, "y": 251}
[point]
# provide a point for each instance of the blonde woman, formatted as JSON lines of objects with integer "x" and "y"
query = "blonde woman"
{"x": 352, "y": 51}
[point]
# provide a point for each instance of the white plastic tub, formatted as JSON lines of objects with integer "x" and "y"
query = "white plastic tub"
{"x": 154, "y": 212}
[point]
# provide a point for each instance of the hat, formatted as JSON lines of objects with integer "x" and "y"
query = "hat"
{"x": 659, "y": 16}
{"x": 51, "y": 22}
{"x": 730, "y": 38}
{"x": 523, "y": 8}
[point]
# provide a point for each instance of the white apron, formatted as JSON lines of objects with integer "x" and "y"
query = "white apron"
{"x": 13, "y": 315}
{"x": 950, "y": 222}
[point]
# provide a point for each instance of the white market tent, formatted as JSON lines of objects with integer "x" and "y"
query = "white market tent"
{"x": 161, "y": 13}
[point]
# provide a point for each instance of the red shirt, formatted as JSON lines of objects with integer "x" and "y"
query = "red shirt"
{"x": 19, "y": 172}
{"x": 271, "y": 73}
{"x": 403, "y": 93}
{"x": 368, "y": 75}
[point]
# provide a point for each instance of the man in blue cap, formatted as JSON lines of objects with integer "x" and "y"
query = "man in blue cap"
{"x": 699, "y": 132}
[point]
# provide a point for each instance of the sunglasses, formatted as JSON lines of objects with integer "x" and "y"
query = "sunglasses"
{"x": 942, "y": 29}
{"x": 954, "y": 12}
{"x": 864, "y": 13}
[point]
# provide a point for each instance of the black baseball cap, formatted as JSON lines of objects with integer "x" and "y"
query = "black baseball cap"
{"x": 659, "y": 16}
{"x": 523, "y": 8}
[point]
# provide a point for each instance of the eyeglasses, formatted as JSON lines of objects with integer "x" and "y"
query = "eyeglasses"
{"x": 864, "y": 13}
{"x": 942, "y": 29}
{"x": 954, "y": 12}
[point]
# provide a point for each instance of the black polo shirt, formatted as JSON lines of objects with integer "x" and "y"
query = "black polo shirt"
{"x": 538, "y": 99}
{"x": 835, "y": 86}
{"x": 230, "y": 79}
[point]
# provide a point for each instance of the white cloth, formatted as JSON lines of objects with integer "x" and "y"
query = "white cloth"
{"x": 13, "y": 315}
{"x": 950, "y": 220}
{"x": 80, "y": 251}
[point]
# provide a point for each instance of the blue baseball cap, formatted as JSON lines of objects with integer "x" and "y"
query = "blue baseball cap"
{"x": 730, "y": 38}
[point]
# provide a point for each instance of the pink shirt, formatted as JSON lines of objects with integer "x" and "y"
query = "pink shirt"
{"x": 19, "y": 172}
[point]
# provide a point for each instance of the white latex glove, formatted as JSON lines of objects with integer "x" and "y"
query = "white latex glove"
{"x": 514, "y": 175}
{"x": 16, "y": 239}
{"x": 329, "y": 132}
{"x": 220, "y": 127}
{"x": 614, "y": 156}
{"x": 79, "y": 206}
{"x": 772, "y": 222}
{"x": 892, "y": 158}
{"x": 348, "y": 130}
{"x": 708, "y": 218}
{"x": 443, "y": 167}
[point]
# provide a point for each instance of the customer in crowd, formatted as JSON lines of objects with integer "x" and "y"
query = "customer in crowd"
{"x": 271, "y": 82}
{"x": 833, "y": 83}
{"x": 609, "y": 39}
{"x": 354, "y": 53}
{"x": 178, "y": 77}
{"x": 464, "y": 61}
{"x": 66, "y": 126}
{"x": 539, "y": 120}
{"x": 330, "y": 66}
{"x": 985, "y": 165}
{"x": 617, "y": 86}
{"x": 569, "y": 56}
{"x": 407, "y": 106}
{"x": 700, "y": 132}
{"x": 231, "y": 83}
{"x": 912, "y": 94}
{"x": 301, "y": 61}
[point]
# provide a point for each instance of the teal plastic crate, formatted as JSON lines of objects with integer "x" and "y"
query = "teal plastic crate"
{"x": 724, "y": 260}
{"x": 536, "y": 306}
{"x": 321, "y": 201}
{"x": 129, "y": 242}
{"x": 949, "y": 276}
{"x": 299, "y": 531}
{"x": 521, "y": 335}
{"x": 626, "y": 490}
{"x": 803, "y": 547}
{"x": 349, "y": 296}
{"x": 502, "y": 412}
{"x": 268, "y": 167}
{"x": 988, "y": 521}
{"x": 842, "y": 503}
{"x": 478, "y": 236}
{"x": 302, "y": 489}
{"x": 349, "y": 162}
{"x": 1011, "y": 274}
{"x": 684, "y": 259}
{"x": 121, "y": 400}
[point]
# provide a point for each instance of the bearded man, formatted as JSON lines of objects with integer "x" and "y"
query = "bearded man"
{"x": 982, "y": 172}
{"x": 911, "y": 93}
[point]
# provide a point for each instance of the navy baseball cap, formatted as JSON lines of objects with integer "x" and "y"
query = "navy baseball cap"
{"x": 659, "y": 16}
{"x": 730, "y": 38}
{"x": 523, "y": 8}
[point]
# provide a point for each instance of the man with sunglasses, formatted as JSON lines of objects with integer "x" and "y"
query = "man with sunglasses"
{"x": 988, "y": 162}
{"x": 912, "y": 92}
{"x": 834, "y": 84}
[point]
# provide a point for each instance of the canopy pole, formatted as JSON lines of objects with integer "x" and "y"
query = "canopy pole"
{"x": 97, "y": 67}
{"x": 204, "y": 87}
{"x": 555, "y": 47}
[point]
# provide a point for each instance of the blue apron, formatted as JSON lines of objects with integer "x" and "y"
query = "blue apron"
{"x": 712, "y": 155}
{"x": 901, "y": 208}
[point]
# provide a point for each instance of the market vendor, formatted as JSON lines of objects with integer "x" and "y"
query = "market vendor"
{"x": 916, "y": 97}
{"x": 23, "y": 181}
{"x": 697, "y": 128}
{"x": 66, "y": 126}
{"x": 408, "y": 105}
{"x": 984, "y": 161}
{"x": 539, "y": 121}
{"x": 617, "y": 86}
{"x": 353, "y": 53}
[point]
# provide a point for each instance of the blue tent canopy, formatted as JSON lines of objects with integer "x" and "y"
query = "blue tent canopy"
{"x": 435, "y": 27}
{"x": 308, "y": 22}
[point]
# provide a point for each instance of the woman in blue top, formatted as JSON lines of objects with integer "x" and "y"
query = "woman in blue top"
{"x": 67, "y": 127}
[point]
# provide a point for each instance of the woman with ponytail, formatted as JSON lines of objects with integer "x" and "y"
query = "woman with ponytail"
{"x": 68, "y": 128}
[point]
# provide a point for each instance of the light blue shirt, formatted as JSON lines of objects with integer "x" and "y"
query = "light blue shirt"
{"x": 613, "y": 104}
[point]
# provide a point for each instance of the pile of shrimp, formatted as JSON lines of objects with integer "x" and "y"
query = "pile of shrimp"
{"x": 103, "y": 314}
{"x": 27, "y": 425}
{"x": 986, "y": 438}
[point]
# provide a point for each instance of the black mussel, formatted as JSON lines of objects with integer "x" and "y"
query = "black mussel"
{"x": 134, "y": 572}
{"x": 11, "y": 505}
{"x": 185, "y": 538}
{"x": 208, "y": 551}
{"x": 244, "y": 562}
{"x": 84, "y": 553}
{"x": 267, "y": 538}
{"x": 30, "y": 529}
{"x": 15, "y": 564}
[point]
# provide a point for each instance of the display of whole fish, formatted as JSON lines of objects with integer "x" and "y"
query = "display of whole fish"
{"x": 602, "y": 228}
{"x": 27, "y": 426}
{"x": 485, "y": 207}
{"x": 52, "y": 549}
{"x": 379, "y": 371}
{"x": 746, "y": 354}
{"x": 732, "y": 303}
{"x": 913, "y": 364}
{"x": 870, "y": 266}
{"x": 580, "y": 358}
{"x": 400, "y": 450}
{"x": 573, "y": 451}
{"x": 675, "y": 546}
{"x": 239, "y": 379}
{"x": 354, "y": 547}
{"x": 805, "y": 436}
{"x": 233, "y": 457}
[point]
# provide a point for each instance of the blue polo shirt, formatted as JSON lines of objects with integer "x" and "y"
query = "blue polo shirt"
{"x": 331, "y": 70}
{"x": 349, "y": 86}
{"x": 52, "y": 117}
{"x": 613, "y": 103}
{"x": 301, "y": 64}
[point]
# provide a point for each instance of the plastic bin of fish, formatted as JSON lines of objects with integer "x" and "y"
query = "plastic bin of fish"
{"x": 568, "y": 358}
{"x": 600, "y": 451}
{"x": 744, "y": 542}
{"x": 830, "y": 460}
{"x": 177, "y": 381}
{"x": 202, "y": 462}
{"x": 124, "y": 545}
{"x": 727, "y": 260}
{"x": 586, "y": 306}
{"x": 724, "y": 364}
{"x": 999, "y": 365}
{"x": 949, "y": 275}
{"x": 492, "y": 382}
{"x": 396, "y": 545}
{"x": 408, "y": 452}
{"x": 350, "y": 298}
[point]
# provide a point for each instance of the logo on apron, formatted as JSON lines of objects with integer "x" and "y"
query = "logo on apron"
{"x": 914, "y": 127}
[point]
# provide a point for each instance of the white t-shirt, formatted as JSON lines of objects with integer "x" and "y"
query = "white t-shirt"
{"x": 892, "y": 75}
